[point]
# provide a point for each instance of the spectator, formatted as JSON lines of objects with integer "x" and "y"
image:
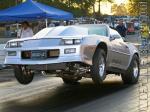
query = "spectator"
{"x": 51, "y": 24}
{"x": 115, "y": 24}
{"x": 8, "y": 32}
{"x": 25, "y": 31}
{"x": 61, "y": 23}
{"x": 121, "y": 28}
{"x": 136, "y": 25}
{"x": 39, "y": 26}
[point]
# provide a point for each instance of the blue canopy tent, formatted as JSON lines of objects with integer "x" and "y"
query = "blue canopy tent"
{"x": 32, "y": 10}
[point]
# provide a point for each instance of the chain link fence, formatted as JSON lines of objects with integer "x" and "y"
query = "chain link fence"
{"x": 144, "y": 78}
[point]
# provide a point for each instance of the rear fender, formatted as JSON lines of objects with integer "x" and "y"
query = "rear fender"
{"x": 133, "y": 51}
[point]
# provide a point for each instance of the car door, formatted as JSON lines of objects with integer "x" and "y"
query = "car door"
{"x": 124, "y": 53}
{"x": 119, "y": 51}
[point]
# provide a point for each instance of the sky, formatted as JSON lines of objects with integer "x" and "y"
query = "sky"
{"x": 120, "y": 1}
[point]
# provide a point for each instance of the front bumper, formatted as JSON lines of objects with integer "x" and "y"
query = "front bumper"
{"x": 73, "y": 57}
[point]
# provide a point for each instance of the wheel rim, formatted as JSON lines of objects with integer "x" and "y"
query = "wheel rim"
{"x": 102, "y": 66}
{"x": 135, "y": 69}
{"x": 25, "y": 71}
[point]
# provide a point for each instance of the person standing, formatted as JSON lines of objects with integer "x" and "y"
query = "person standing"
{"x": 25, "y": 31}
{"x": 121, "y": 28}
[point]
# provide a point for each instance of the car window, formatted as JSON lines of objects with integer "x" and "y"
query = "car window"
{"x": 97, "y": 30}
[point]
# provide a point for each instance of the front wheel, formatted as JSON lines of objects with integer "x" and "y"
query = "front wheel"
{"x": 23, "y": 75}
{"x": 131, "y": 76}
{"x": 98, "y": 69}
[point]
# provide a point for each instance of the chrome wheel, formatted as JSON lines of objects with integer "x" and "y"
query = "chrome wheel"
{"x": 135, "y": 69}
{"x": 98, "y": 69}
{"x": 102, "y": 66}
{"x": 25, "y": 71}
{"x": 131, "y": 75}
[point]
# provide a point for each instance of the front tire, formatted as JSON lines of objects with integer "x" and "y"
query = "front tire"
{"x": 98, "y": 69}
{"x": 23, "y": 75}
{"x": 131, "y": 76}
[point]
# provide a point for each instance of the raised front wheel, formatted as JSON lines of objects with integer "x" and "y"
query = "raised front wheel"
{"x": 23, "y": 75}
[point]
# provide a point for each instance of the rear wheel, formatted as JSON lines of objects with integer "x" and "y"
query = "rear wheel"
{"x": 23, "y": 75}
{"x": 131, "y": 76}
{"x": 98, "y": 69}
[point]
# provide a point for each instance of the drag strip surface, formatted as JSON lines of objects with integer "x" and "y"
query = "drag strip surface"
{"x": 49, "y": 94}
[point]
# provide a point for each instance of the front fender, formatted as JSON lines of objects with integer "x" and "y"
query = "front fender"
{"x": 89, "y": 47}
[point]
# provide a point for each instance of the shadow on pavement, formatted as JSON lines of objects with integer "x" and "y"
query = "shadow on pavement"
{"x": 66, "y": 97}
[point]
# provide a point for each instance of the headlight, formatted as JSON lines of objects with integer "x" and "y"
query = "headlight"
{"x": 71, "y": 41}
{"x": 77, "y": 41}
{"x": 14, "y": 44}
{"x": 68, "y": 42}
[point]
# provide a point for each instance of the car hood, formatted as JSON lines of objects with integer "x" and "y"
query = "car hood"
{"x": 50, "y": 37}
{"x": 34, "y": 43}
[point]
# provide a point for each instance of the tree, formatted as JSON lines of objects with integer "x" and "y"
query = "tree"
{"x": 77, "y": 7}
{"x": 134, "y": 7}
{"x": 119, "y": 10}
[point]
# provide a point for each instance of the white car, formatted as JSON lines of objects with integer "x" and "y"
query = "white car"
{"x": 73, "y": 52}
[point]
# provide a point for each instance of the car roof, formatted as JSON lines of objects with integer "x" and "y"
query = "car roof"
{"x": 82, "y": 25}
{"x": 67, "y": 30}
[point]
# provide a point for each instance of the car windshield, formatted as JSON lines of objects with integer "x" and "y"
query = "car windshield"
{"x": 67, "y": 31}
{"x": 72, "y": 31}
{"x": 98, "y": 30}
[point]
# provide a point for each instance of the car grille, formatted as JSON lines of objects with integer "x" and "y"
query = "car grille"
{"x": 40, "y": 54}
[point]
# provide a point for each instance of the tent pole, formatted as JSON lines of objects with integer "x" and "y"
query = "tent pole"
{"x": 46, "y": 21}
{"x": 17, "y": 25}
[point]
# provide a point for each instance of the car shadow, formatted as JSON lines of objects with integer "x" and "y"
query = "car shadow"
{"x": 67, "y": 97}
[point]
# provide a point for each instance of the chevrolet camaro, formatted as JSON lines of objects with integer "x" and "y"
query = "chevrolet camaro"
{"x": 72, "y": 52}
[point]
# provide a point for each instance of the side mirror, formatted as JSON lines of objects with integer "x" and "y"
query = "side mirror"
{"x": 112, "y": 38}
{"x": 124, "y": 39}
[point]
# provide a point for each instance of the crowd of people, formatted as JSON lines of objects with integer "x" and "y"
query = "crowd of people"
{"x": 26, "y": 30}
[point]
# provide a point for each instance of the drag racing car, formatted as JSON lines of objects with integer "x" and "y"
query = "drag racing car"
{"x": 73, "y": 52}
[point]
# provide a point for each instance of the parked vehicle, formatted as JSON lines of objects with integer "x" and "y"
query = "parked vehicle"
{"x": 73, "y": 52}
{"x": 130, "y": 28}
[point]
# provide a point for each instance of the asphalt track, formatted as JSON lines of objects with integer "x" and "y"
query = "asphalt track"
{"x": 49, "y": 94}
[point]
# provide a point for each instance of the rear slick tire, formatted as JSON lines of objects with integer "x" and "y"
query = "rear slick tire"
{"x": 131, "y": 76}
